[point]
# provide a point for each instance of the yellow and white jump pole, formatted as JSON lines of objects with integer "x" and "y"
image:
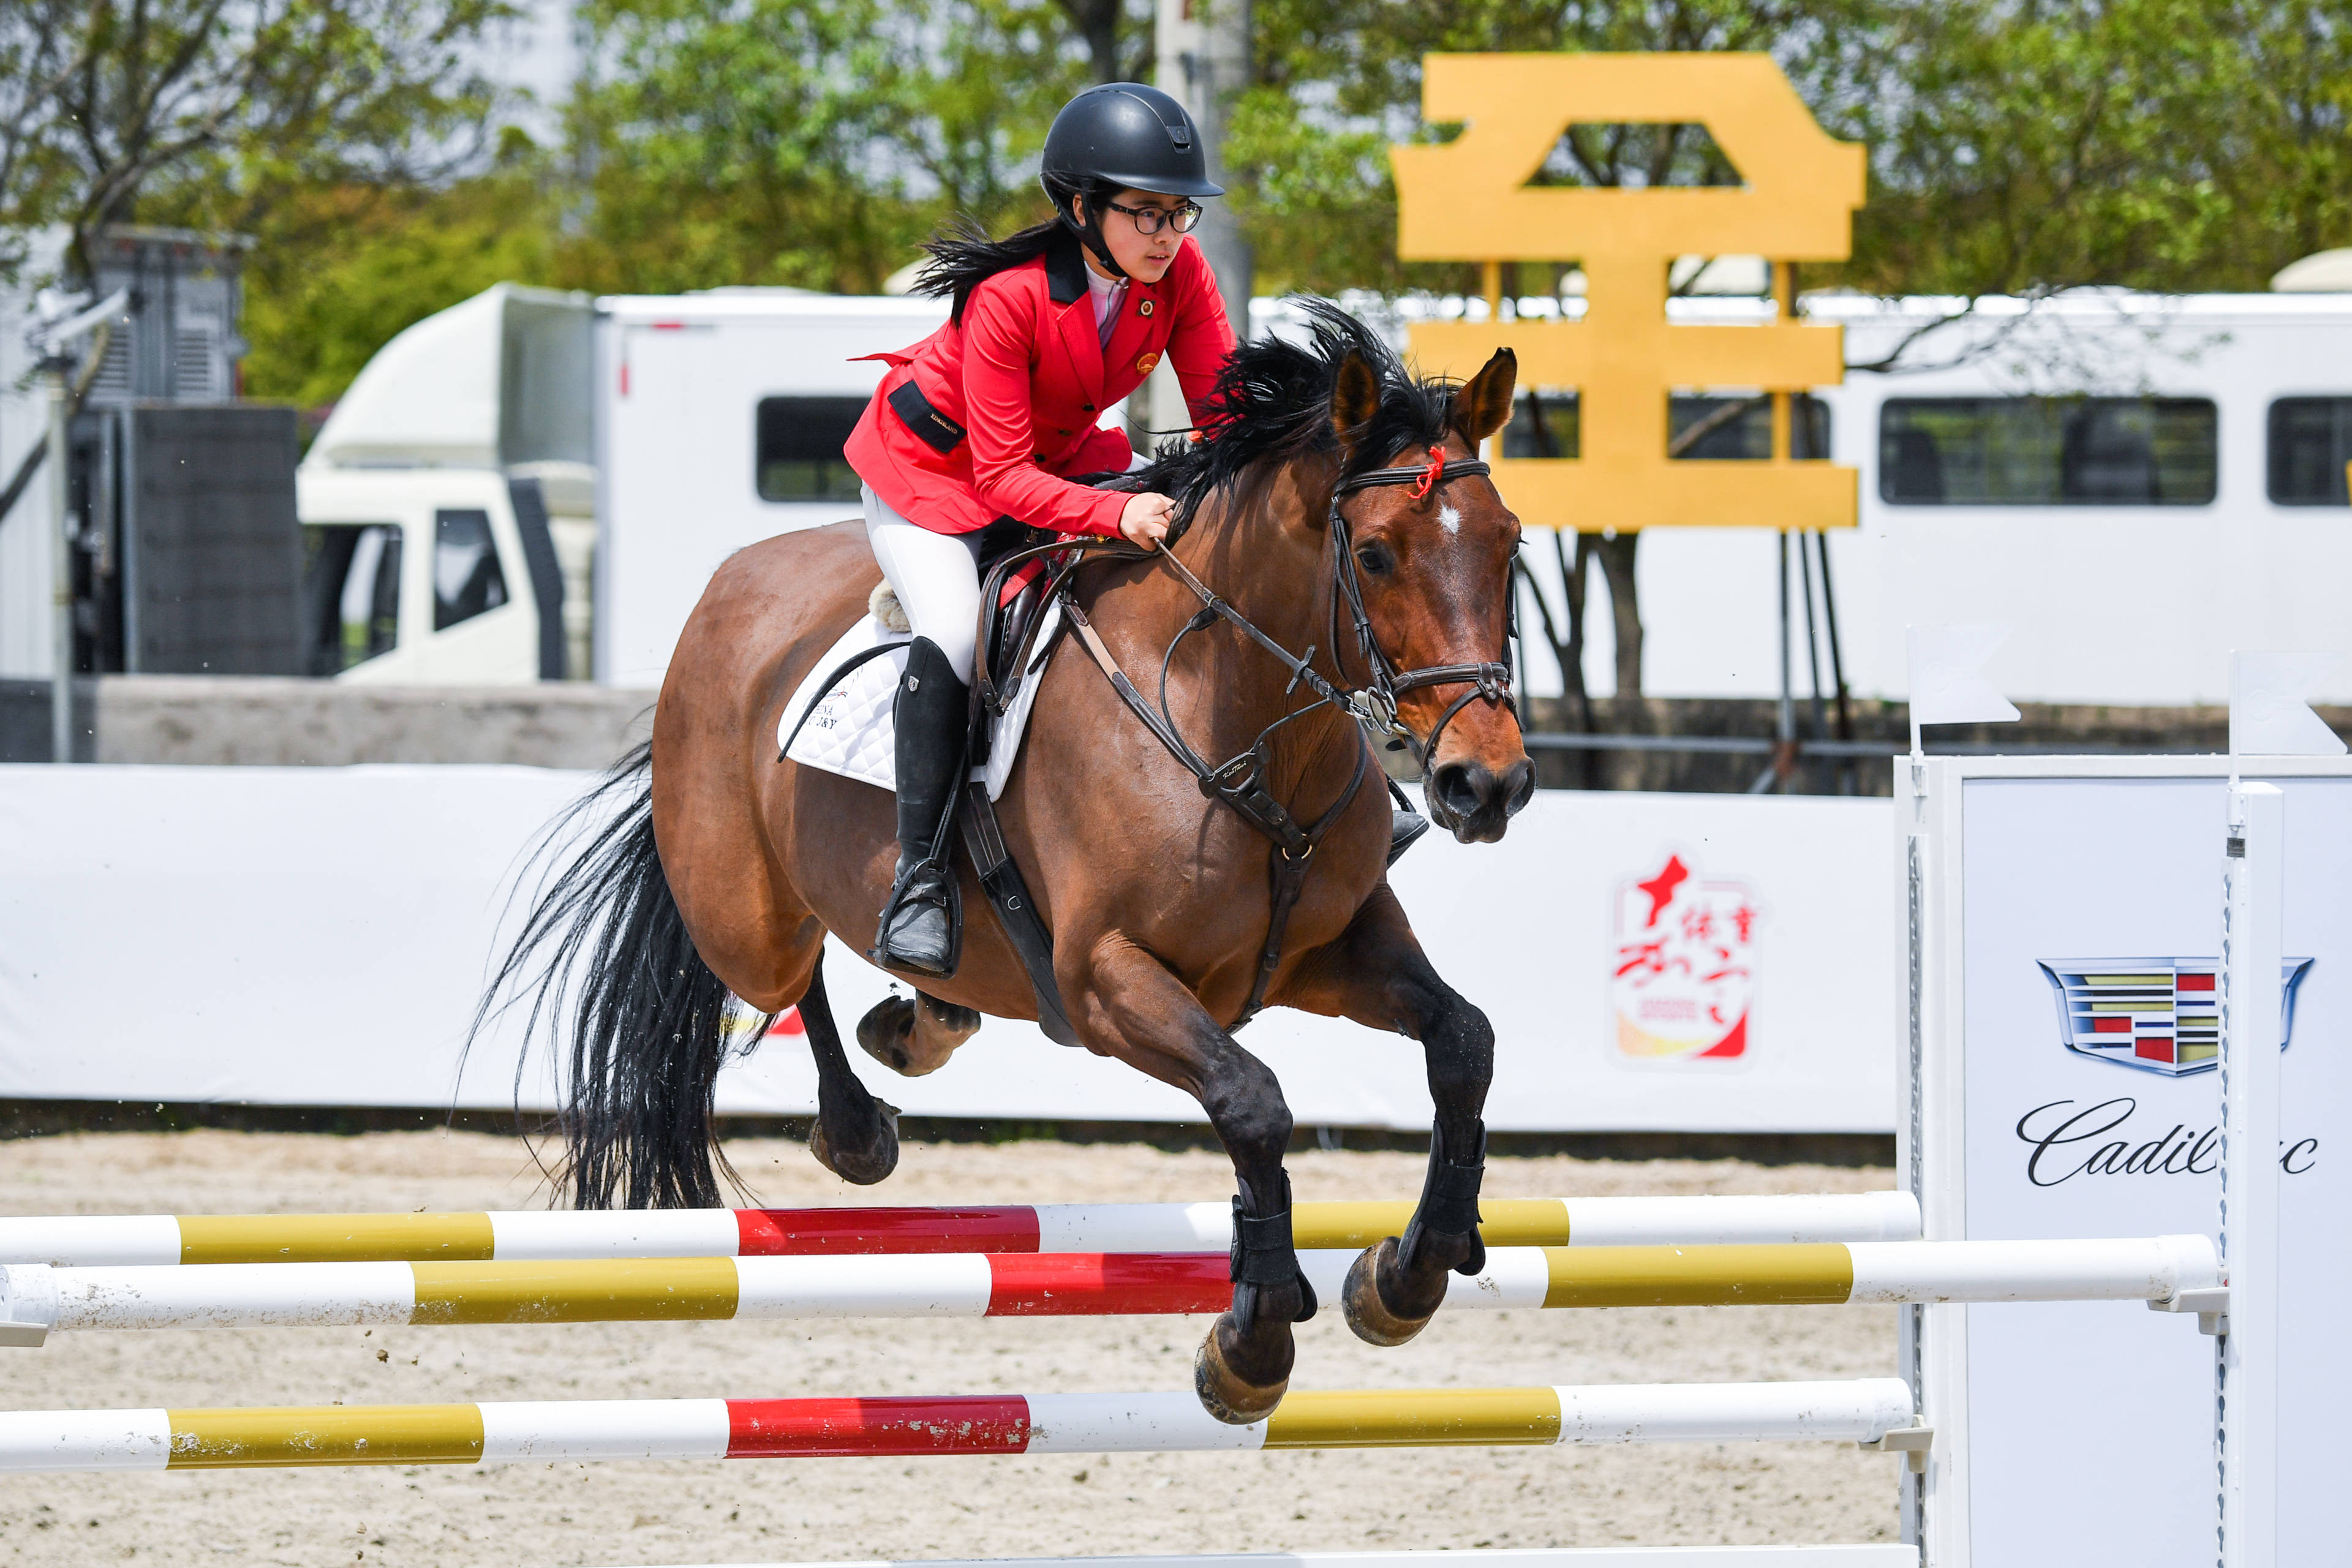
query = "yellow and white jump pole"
{"x": 1860, "y": 1411}
{"x": 35, "y": 1298}
{"x": 101, "y": 1240}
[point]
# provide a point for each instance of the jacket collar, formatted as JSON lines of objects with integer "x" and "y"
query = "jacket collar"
{"x": 1065, "y": 270}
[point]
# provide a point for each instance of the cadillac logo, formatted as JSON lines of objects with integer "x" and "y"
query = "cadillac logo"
{"x": 2158, "y": 1015}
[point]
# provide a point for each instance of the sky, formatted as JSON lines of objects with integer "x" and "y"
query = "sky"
{"x": 537, "y": 54}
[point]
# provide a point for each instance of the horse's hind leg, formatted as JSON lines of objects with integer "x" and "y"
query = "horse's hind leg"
{"x": 915, "y": 1035}
{"x": 1133, "y": 1009}
{"x": 856, "y": 1135}
{"x": 1377, "y": 974}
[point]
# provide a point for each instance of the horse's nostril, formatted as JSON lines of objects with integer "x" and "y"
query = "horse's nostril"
{"x": 1518, "y": 786}
{"x": 1464, "y": 786}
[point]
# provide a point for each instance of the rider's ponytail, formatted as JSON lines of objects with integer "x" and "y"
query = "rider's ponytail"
{"x": 964, "y": 257}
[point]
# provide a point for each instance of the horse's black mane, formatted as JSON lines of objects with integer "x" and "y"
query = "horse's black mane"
{"x": 1273, "y": 400}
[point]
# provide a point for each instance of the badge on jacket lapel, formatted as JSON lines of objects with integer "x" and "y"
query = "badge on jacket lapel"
{"x": 1143, "y": 308}
{"x": 1146, "y": 364}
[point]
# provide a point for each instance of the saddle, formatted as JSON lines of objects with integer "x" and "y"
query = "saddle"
{"x": 1012, "y": 603}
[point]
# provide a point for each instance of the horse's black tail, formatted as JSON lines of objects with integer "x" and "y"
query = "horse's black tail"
{"x": 651, "y": 1024}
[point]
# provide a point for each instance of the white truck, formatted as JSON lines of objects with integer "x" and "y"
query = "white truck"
{"x": 527, "y": 486}
{"x": 449, "y": 503}
{"x": 2182, "y": 494}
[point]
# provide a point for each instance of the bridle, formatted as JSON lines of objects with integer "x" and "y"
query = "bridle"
{"x": 1376, "y": 701}
{"x": 1240, "y": 781}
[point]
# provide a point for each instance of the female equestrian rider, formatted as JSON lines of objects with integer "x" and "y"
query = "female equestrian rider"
{"x": 983, "y": 420}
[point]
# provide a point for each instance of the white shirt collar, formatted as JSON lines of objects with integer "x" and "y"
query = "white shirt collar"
{"x": 1105, "y": 293}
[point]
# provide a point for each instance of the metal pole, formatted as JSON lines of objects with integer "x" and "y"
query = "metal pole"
{"x": 61, "y": 573}
{"x": 1784, "y": 755}
{"x": 1849, "y": 780}
{"x": 1812, "y": 639}
{"x": 2246, "y": 1391}
{"x": 1204, "y": 62}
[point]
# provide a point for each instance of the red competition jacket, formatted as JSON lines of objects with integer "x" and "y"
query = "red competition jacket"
{"x": 981, "y": 419}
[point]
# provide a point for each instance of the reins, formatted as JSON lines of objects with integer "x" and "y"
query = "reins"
{"x": 1240, "y": 781}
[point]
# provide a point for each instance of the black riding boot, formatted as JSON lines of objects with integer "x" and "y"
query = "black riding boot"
{"x": 932, "y": 710}
{"x": 1405, "y": 825}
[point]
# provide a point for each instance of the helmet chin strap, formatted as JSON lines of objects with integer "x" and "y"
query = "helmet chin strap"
{"x": 1090, "y": 235}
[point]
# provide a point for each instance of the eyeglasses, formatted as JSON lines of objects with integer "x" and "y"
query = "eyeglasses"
{"x": 1148, "y": 220}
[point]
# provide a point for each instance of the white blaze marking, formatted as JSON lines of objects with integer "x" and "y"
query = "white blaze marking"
{"x": 1449, "y": 519}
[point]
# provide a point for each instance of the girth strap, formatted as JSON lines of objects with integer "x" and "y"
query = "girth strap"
{"x": 1016, "y": 910}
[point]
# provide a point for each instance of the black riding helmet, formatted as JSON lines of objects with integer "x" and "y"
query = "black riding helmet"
{"x": 1121, "y": 134}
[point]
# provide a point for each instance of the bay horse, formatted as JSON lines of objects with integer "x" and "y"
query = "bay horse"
{"x": 712, "y": 885}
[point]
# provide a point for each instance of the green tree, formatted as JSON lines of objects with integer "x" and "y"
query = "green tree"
{"x": 813, "y": 142}
{"x": 113, "y": 110}
{"x": 336, "y": 272}
{"x": 202, "y": 112}
{"x": 2162, "y": 144}
{"x": 1339, "y": 80}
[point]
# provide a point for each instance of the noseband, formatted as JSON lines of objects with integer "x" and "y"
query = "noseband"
{"x": 1375, "y": 701}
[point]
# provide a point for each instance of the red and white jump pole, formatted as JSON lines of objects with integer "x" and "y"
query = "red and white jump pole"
{"x": 1860, "y": 1411}
{"x": 99, "y": 1240}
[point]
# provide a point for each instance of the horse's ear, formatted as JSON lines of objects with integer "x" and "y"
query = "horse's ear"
{"x": 1483, "y": 405}
{"x": 1355, "y": 398}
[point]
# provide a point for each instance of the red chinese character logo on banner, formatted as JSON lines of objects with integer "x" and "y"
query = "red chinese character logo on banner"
{"x": 1684, "y": 975}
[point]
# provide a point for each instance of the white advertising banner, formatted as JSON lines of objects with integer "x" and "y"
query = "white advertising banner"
{"x": 321, "y": 936}
{"x": 2080, "y": 921}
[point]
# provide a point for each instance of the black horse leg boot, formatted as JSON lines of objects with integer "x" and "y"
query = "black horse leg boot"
{"x": 931, "y": 715}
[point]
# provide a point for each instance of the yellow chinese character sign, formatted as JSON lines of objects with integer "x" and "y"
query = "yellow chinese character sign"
{"x": 1470, "y": 200}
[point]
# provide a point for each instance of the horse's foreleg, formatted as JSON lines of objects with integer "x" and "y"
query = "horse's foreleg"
{"x": 857, "y": 1134}
{"x": 1377, "y": 974}
{"x": 1131, "y": 1007}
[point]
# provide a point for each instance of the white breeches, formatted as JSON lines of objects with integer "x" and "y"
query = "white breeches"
{"x": 935, "y": 575}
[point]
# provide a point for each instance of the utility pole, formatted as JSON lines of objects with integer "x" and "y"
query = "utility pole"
{"x": 1203, "y": 49}
{"x": 55, "y": 369}
{"x": 53, "y": 340}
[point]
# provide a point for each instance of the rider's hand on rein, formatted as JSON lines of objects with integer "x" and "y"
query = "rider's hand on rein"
{"x": 1145, "y": 520}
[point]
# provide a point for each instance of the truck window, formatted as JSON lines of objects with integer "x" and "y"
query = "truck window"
{"x": 466, "y": 577}
{"x": 2048, "y": 451}
{"x": 2311, "y": 440}
{"x": 350, "y": 593}
{"x": 1736, "y": 429}
{"x": 798, "y": 448}
{"x": 1739, "y": 429}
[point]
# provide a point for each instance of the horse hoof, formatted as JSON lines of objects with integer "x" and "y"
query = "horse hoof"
{"x": 867, "y": 1165}
{"x": 886, "y": 1030}
{"x": 1359, "y": 1299}
{"x": 1223, "y": 1393}
{"x": 917, "y": 1034}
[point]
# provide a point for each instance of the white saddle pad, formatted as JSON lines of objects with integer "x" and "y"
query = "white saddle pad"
{"x": 849, "y": 730}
